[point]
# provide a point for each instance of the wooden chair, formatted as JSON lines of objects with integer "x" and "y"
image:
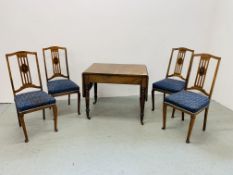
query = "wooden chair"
{"x": 191, "y": 102}
{"x": 171, "y": 85}
{"x": 59, "y": 84}
{"x": 27, "y": 102}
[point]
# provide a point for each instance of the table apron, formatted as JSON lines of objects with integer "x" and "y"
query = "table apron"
{"x": 116, "y": 79}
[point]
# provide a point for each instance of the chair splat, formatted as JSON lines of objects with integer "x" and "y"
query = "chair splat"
{"x": 201, "y": 71}
{"x": 56, "y": 61}
{"x": 179, "y": 63}
{"x": 24, "y": 68}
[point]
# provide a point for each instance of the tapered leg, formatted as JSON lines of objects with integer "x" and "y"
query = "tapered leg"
{"x": 146, "y": 96}
{"x": 55, "y": 117}
{"x": 173, "y": 113}
{"x": 164, "y": 115}
{"x": 87, "y": 98}
{"x": 79, "y": 103}
{"x": 205, "y": 118}
{"x": 95, "y": 93}
{"x": 43, "y": 114}
{"x": 164, "y": 95}
{"x": 192, "y": 120}
{"x": 18, "y": 119}
{"x": 142, "y": 103}
{"x": 68, "y": 99}
{"x": 21, "y": 117}
{"x": 182, "y": 116}
{"x": 153, "y": 99}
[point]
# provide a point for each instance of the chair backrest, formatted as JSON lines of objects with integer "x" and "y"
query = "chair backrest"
{"x": 181, "y": 55}
{"x": 56, "y": 62}
{"x": 202, "y": 71}
{"x": 24, "y": 70}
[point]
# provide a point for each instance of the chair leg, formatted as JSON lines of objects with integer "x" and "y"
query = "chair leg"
{"x": 173, "y": 113}
{"x": 79, "y": 103}
{"x": 205, "y": 118}
{"x": 68, "y": 99}
{"x": 43, "y": 111}
{"x": 55, "y": 117}
{"x": 192, "y": 120}
{"x": 164, "y": 115}
{"x": 21, "y": 118}
{"x": 153, "y": 99}
{"x": 182, "y": 116}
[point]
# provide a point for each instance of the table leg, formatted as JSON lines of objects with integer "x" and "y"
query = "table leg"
{"x": 147, "y": 84}
{"x": 87, "y": 98}
{"x": 142, "y": 103}
{"x": 146, "y": 96}
{"x": 95, "y": 93}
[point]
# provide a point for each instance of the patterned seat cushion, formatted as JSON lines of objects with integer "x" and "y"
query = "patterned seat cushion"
{"x": 30, "y": 100}
{"x": 60, "y": 86}
{"x": 190, "y": 101}
{"x": 169, "y": 85}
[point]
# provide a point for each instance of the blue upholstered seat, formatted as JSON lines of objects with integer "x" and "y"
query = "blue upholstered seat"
{"x": 30, "y": 100}
{"x": 190, "y": 101}
{"x": 169, "y": 85}
{"x": 60, "y": 86}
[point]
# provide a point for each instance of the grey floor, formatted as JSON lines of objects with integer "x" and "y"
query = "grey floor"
{"x": 113, "y": 142}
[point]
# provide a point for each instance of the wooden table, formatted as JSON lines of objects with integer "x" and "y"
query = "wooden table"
{"x": 118, "y": 74}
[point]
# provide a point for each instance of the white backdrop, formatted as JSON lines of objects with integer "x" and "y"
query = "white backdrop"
{"x": 111, "y": 31}
{"x": 221, "y": 44}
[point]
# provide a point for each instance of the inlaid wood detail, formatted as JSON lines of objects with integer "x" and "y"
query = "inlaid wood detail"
{"x": 55, "y": 60}
{"x": 202, "y": 71}
{"x": 24, "y": 68}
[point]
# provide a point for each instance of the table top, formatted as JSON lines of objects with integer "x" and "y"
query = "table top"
{"x": 117, "y": 69}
